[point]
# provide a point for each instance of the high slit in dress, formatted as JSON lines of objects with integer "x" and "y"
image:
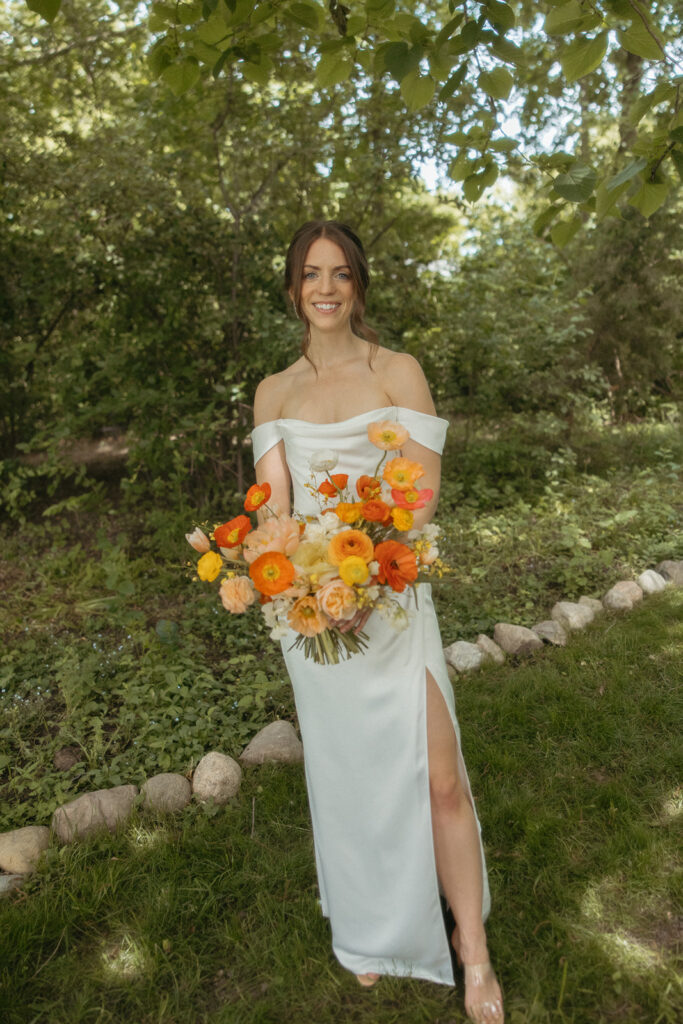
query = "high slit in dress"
{"x": 364, "y": 730}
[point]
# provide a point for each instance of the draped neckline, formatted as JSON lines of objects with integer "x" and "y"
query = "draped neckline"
{"x": 350, "y": 419}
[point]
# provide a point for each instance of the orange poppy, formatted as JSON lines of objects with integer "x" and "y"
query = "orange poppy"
{"x": 376, "y": 511}
{"x": 272, "y": 572}
{"x": 387, "y": 435}
{"x": 368, "y": 487}
{"x": 412, "y": 498}
{"x": 232, "y": 533}
{"x": 349, "y": 512}
{"x": 347, "y": 543}
{"x": 306, "y": 616}
{"x": 401, "y": 474}
{"x": 331, "y": 488}
{"x": 397, "y": 564}
{"x": 257, "y": 495}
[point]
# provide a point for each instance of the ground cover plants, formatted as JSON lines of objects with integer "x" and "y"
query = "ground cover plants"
{"x": 213, "y": 918}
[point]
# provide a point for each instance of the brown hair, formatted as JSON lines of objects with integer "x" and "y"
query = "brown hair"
{"x": 352, "y": 247}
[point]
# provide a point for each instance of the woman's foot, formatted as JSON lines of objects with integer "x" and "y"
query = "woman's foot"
{"x": 367, "y": 980}
{"x": 483, "y": 998}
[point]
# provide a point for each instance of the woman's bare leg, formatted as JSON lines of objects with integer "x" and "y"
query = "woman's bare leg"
{"x": 458, "y": 854}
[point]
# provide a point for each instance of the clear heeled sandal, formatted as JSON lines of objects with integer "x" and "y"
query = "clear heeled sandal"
{"x": 483, "y": 999}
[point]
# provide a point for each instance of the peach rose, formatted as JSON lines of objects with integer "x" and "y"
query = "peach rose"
{"x": 237, "y": 594}
{"x": 276, "y": 534}
{"x": 337, "y": 600}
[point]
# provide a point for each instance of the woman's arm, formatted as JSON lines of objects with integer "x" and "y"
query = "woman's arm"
{"x": 408, "y": 387}
{"x": 272, "y": 467}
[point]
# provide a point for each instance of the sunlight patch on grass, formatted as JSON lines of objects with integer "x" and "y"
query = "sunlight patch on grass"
{"x": 672, "y": 806}
{"x": 124, "y": 958}
{"x": 146, "y": 838}
{"x": 628, "y": 953}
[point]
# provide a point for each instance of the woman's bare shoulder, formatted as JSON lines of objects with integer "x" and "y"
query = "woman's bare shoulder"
{"x": 404, "y": 380}
{"x": 271, "y": 393}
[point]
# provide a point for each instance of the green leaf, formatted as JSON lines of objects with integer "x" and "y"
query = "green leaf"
{"x": 333, "y": 70}
{"x": 504, "y": 145}
{"x": 474, "y": 184}
{"x": 677, "y": 157}
{"x": 567, "y": 18}
{"x": 167, "y": 631}
{"x": 545, "y": 218}
{"x": 159, "y": 57}
{"x": 258, "y": 71}
{"x": 47, "y": 9}
{"x": 187, "y": 14}
{"x": 660, "y": 94}
{"x": 606, "y": 201}
{"x": 500, "y": 15}
{"x": 677, "y": 134}
{"x": 583, "y": 56}
{"x": 507, "y": 51}
{"x": 565, "y": 230}
{"x": 627, "y": 173}
{"x": 638, "y": 40}
{"x": 465, "y": 40}
{"x": 497, "y": 83}
{"x": 577, "y": 184}
{"x": 400, "y": 59}
{"x": 448, "y": 29}
{"x": 181, "y": 76}
{"x": 649, "y": 198}
{"x": 212, "y": 31}
{"x": 453, "y": 82}
{"x": 309, "y": 15}
{"x": 461, "y": 167}
{"x": 417, "y": 90}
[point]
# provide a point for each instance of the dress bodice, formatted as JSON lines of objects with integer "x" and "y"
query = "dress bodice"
{"x": 349, "y": 438}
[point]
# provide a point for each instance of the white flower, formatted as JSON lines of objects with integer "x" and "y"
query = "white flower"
{"x": 431, "y": 531}
{"x": 279, "y": 631}
{"x": 394, "y": 614}
{"x": 373, "y": 567}
{"x": 373, "y": 592}
{"x": 323, "y": 461}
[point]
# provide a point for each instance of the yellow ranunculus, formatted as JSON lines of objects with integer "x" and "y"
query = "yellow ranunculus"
{"x": 403, "y": 518}
{"x": 354, "y": 570}
{"x": 311, "y": 557}
{"x": 209, "y": 566}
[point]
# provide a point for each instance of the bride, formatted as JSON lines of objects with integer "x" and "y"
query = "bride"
{"x": 394, "y": 823}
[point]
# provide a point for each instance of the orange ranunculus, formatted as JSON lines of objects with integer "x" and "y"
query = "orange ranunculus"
{"x": 257, "y": 495}
{"x": 397, "y": 564}
{"x": 331, "y": 488}
{"x": 403, "y": 518}
{"x": 232, "y": 533}
{"x": 387, "y": 435}
{"x": 350, "y": 542}
{"x": 376, "y": 511}
{"x": 306, "y": 617}
{"x": 412, "y": 498}
{"x": 209, "y": 566}
{"x": 272, "y": 573}
{"x": 401, "y": 474}
{"x": 368, "y": 487}
{"x": 349, "y": 512}
{"x": 338, "y": 600}
{"x": 237, "y": 594}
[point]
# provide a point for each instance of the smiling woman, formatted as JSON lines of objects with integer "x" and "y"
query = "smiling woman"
{"x": 394, "y": 822}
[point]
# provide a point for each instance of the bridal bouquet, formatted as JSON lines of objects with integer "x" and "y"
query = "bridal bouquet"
{"x": 322, "y": 575}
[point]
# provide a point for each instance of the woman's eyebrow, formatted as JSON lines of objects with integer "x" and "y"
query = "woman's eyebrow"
{"x": 311, "y": 266}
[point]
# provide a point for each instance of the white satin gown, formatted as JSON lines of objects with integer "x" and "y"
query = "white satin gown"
{"x": 364, "y": 731}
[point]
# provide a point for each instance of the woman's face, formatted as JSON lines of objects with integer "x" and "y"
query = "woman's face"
{"x": 327, "y": 290}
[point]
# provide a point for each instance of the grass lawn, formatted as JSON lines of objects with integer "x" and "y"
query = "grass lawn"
{"x": 212, "y": 916}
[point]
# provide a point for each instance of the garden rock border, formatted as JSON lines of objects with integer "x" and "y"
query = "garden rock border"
{"x": 218, "y": 777}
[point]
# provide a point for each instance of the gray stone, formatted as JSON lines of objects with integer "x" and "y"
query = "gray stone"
{"x": 622, "y": 596}
{"x": 90, "y": 812}
{"x": 593, "y": 604}
{"x": 490, "y": 650}
{"x": 672, "y": 571}
{"x": 168, "y": 792}
{"x": 571, "y": 615}
{"x": 277, "y": 741}
{"x": 217, "y": 777}
{"x": 651, "y": 582}
{"x": 516, "y": 639}
{"x": 452, "y": 674}
{"x": 463, "y": 656}
{"x": 551, "y": 631}
{"x": 21, "y": 848}
{"x": 10, "y": 882}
